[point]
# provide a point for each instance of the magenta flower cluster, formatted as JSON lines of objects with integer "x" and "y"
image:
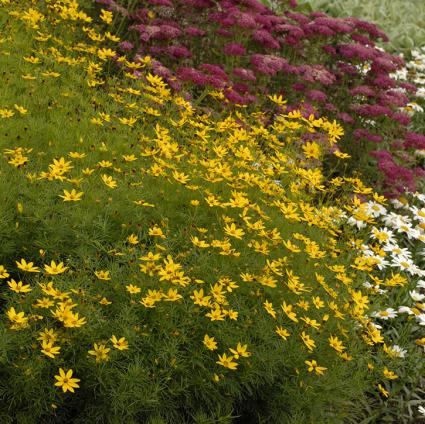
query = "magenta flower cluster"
{"x": 323, "y": 65}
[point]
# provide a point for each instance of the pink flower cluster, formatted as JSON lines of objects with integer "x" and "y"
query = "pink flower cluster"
{"x": 324, "y": 65}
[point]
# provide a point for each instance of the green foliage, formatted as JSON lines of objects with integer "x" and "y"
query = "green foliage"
{"x": 401, "y": 20}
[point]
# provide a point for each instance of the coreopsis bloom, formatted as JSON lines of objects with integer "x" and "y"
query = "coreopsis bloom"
{"x": 65, "y": 381}
{"x": 71, "y": 196}
{"x": 102, "y": 275}
{"x": 47, "y": 335}
{"x": 27, "y": 266}
{"x": 132, "y": 239}
{"x": 313, "y": 366}
{"x": 100, "y": 352}
{"x": 308, "y": 341}
{"x": 54, "y": 269}
{"x": 391, "y": 375}
{"x": 240, "y": 351}
{"x": 109, "y": 181}
{"x": 3, "y": 272}
{"x": 48, "y": 349}
{"x": 133, "y": 289}
{"x": 120, "y": 344}
{"x": 282, "y": 332}
{"x": 233, "y": 231}
{"x": 19, "y": 287}
{"x": 227, "y": 362}
{"x": 209, "y": 342}
{"x": 18, "y": 318}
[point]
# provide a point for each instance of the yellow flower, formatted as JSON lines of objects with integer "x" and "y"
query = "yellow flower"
{"x": 391, "y": 375}
{"x": 172, "y": 295}
{"x": 65, "y": 381}
{"x": 48, "y": 349}
{"x": 311, "y": 150}
{"x": 308, "y": 341}
{"x": 209, "y": 342}
{"x": 45, "y": 302}
{"x": 227, "y": 362}
{"x": 336, "y": 344}
{"x": 106, "y": 16}
{"x": 216, "y": 314}
{"x": 3, "y": 272}
{"x": 282, "y": 332}
{"x": 27, "y": 266}
{"x": 240, "y": 351}
{"x": 19, "y": 287}
{"x": 20, "y": 109}
{"x": 72, "y": 196}
{"x": 109, "y": 181}
{"x": 133, "y": 289}
{"x": 48, "y": 335}
{"x": 105, "y": 53}
{"x": 104, "y": 301}
{"x": 102, "y": 275}
{"x": 120, "y": 344}
{"x": 156, "y": 232}
{"x": 383, "y": 391}
{"x": 268, "y": 306}
{"x": 181, "y": 177}
{"x": 288, "y": 311}
{"x": 132, "y": 239}
{"x": 19, "y": 320}
{"x": 312, "y": 366}
{"x": 54, "y": 269}
{"x": 233, "y": 231}
{"x": 100, "y": 352}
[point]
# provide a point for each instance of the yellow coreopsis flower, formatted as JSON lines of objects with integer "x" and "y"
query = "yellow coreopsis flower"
{"x": 240, "y": 351}
{"x": 227, "y": 362}
{"x": 308, "y": 341}
{"x": 27, "y": 266}
{"x": 109, "y": 181}
{"x": 120, "y": 344}
{"x": 391, "y": 375}
{"x": 102, "y": 275}
{"x": 48, "y": 335}
{"x": 233, "y": 231}
{"x": 100, "y": 352}
{"x": 132, "y": 239}
{"x": 106, "y": 16}
{"x": 3, "y": 272}
{"x": 313, "y": 366}
{"x": 48, "y": 349}
{"x": 282, "y": 332}
{"x": 65, "y": 381}
{"x": 71, "y": 196}
{"x": 19, "y": 287}
{"x": 133, "y": 289}
{"x": 54, "y": 268}
{"x": 209, "y": 342}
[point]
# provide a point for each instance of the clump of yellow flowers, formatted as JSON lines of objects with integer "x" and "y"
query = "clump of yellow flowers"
{"x": 165, "y": 252}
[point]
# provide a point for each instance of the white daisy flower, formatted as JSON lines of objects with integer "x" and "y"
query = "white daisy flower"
{"x": 398, "y": 352}
{"x": 420, "y": 284}
{"x": 416, "y": 296}
{"x": 387, "y": 314}
{"x": 375, "y": 209}
{"x": 405, "y": 310}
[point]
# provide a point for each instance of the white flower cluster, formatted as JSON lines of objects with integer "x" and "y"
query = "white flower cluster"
{"x": 396, "y": 242}
{"x": 414, "y": 72}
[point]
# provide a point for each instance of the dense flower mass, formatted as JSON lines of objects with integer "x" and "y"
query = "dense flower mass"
{"x": 165, "y": 261}
{"x": 320, "y": 64}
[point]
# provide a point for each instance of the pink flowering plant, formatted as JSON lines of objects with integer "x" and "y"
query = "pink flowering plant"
{"x": 237, "y": 51}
